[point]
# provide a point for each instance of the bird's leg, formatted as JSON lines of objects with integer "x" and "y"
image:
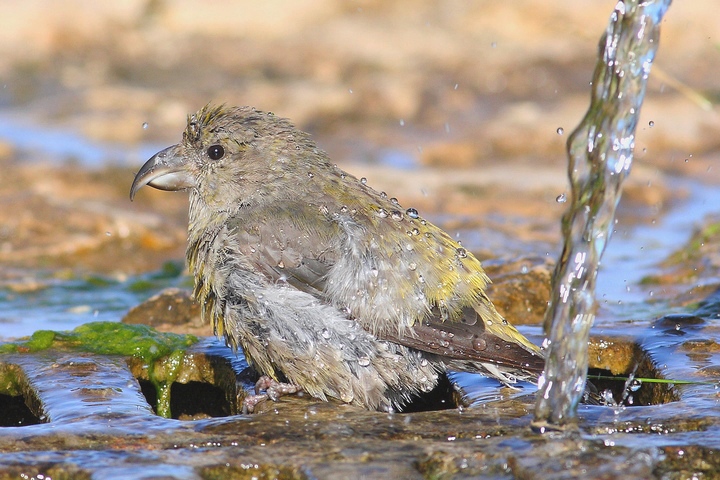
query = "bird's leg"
{"x": 273, "y": 390}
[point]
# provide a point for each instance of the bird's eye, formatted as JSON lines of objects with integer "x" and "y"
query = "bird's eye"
{"x": 216, "y": 152}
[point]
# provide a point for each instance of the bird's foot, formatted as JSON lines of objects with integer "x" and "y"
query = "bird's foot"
{"x": 273, "y": 391}
{"x": 251, "y": 401}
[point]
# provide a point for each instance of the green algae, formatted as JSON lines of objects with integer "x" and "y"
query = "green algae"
{"x": 10, "y": 382}
{"x": 252, "y": 471}
{"x": 106, "y": 338}
{"x": 112, "y": 338}
{"x": 40, "y": 340}
{"x": 707, "y": 235}
{"x": 142, "y": 286}
{"x": 170, "y": 270}
{"x": 174, "y": 363}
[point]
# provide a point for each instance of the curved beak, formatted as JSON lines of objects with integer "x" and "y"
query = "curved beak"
{"x": 166, "y": 170}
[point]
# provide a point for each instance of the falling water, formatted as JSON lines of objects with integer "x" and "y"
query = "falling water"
{"x": 600, "y": 153}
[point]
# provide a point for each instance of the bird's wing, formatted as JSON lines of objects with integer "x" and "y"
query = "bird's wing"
{"x": 294, "y": 245}
{"x": 469, "y": 339}
{"x": 286, "y": 244}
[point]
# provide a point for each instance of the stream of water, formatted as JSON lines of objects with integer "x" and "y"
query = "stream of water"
{"x": 600, "y": 153}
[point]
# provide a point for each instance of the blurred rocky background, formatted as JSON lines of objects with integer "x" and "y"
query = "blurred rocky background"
{"x": 458, "y": 108}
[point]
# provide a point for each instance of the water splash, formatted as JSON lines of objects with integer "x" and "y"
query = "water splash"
{"x": 600, "y": 155}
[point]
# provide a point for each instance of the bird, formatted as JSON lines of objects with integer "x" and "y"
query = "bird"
{"x": 327, "y": 285}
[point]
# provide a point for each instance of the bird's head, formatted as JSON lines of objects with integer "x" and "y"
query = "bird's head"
{"x": 229, "y": 156}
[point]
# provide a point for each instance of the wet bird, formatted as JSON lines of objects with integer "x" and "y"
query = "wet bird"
{"x": 326, "y": 284}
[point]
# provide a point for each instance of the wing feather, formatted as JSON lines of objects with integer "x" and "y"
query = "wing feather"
{"x": 282, "y": 246}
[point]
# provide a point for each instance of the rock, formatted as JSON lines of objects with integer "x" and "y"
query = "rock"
{"x": 172, "y": 309}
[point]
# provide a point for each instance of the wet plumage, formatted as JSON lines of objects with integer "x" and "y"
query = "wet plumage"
{"x": 322, "y": 280}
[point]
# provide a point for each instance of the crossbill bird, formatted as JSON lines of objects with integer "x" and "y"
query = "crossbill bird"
{"x": 326, "y": 284}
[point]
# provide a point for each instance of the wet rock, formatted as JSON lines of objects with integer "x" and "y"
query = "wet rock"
{"x": 691, "y": 274}
{"x": 689, "y": 461}
{"x": 679, "y": 323}
{"x": 701, "y": 346}
{"x": 521, "y": 288}
{"x": 711, "y": 372}
{"x": 22, "y": 284}
{"x": 72, "y": 217}
{"x": 612, "y": 361}
{"x": 171, "y": 309}
{"x": 455, "y": 155}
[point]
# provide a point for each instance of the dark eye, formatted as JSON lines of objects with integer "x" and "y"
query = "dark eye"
{"x": 216, "y": 152}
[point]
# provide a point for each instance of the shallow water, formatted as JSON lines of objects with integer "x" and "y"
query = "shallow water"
{"x": 60, "y": 145}
{"x": 635, "y": 250}
{"x": 63, "y": 304}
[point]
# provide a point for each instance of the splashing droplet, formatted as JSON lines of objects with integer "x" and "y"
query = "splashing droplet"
{"x": 562, "y": 198}
{"x": 607, "y": 397}
{"x": 651, "y": 123}
{"x": 560, "y": 130}
{"x": 461, "y": 252}
{"x": 145, "y": 125}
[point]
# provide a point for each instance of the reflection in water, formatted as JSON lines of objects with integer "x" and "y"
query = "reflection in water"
{"x": 61, "y": 145}
{"x": 600, "y": 152}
